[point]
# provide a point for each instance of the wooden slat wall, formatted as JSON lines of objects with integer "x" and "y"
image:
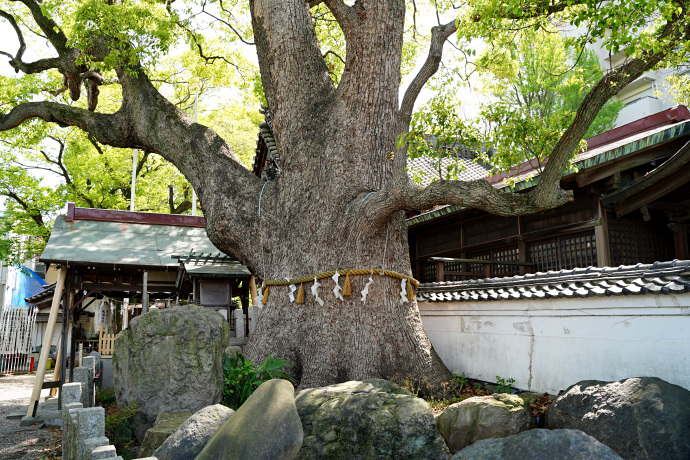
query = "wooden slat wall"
{"x": 106, "y": 344}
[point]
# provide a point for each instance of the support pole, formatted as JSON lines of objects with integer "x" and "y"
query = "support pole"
{"x": 56, "y": 374}
{"x": 47, "y": 340}
{"x": 145, "y": 294}
{"x": 252, "y": 290}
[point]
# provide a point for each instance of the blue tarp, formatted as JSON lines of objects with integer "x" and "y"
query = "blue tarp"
{"x": 23, "y": 283}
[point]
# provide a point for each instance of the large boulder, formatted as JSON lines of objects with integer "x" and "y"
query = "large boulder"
{"x": 539, "y": 444}
{"x": 193, "y": 435}
{"x": 373, "y": 419}
{"x": 265, "y": 427}
{"x": 170, "y": 360}
{"x": 639, "y": 418}
{"x": 483, "y": 417}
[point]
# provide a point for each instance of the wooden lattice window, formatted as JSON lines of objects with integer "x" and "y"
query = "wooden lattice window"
{"x": 506, "y": 255}
{"x": 563, "y": 253}
{"x": 428, "y": 272}
{"x": 478, "y": 268}
{"x": 634, "y": 241}
{"x": 452, "y": 267}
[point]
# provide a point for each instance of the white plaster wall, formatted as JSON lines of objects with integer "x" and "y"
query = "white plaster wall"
{"x": 548, "y": 345}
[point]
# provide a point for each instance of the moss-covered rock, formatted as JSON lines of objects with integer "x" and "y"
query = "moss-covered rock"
{"x": 373, "y": 419}
{"x": 640, "y": 418}
{"x": 538, "y": 444}
{"x": 483, "y": 417}
{"x": 265, "y": 427}
{"x": 170, "y": 360}
{"x": 166, "y": 424}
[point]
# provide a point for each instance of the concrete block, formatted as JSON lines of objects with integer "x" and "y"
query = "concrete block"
{"x": 240, "y": 318}
{"x": 97, "y": 357}
{"x": 93, "y": 443}
{"x": 71, "y": 393}
{"x": 254, "y": 311}
{"x": 89, "y": 362}
{"x": 104, "y": 452}
{"x": 28, "y": 421}
{"x": 90, "y": 424}
{"x": 84, "y": 376}
{"x": 107, "y": 374}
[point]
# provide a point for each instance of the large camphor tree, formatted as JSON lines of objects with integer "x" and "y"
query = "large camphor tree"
{"x": 340, "y": 198}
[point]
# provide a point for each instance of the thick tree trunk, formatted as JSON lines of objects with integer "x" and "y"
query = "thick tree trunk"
{"x": 335, "y": 148}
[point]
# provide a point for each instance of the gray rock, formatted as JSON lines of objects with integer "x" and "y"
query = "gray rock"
{"x": 639, "y": 418}
{"x": 170, "y": 360}
{"x": 265, "y": 427}
{"x": 483, "y": 417}
{"x": 373, "y": 419}
{"x": 233, "y": 350}
{"x": 539, "y": 444}
{"x": 166, "y": 424}
{"x": 191, "y": 437}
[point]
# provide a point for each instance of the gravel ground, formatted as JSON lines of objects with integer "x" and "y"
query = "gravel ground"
{"x": 18, "y": 442}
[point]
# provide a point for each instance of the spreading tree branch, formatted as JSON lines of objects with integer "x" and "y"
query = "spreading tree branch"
{"x": 30, "y": 210}
{"x": 439, "y": 35}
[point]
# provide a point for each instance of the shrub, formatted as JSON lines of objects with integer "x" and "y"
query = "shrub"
{"x": 105, "y": 396}
{"x": 242, "y": 377}
{"x": 118, "y": 429}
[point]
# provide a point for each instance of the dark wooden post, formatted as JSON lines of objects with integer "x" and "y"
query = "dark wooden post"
{"x": 601, "y": 237}
{"x": 680, "y": 240}
{"x": 66, "y": 296}
{"x": 440, "y": 267}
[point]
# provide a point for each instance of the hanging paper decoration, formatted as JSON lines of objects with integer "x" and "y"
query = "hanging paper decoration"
{"x": 300, "y": 294}
{"x": 265, "y": 296}
{"x": 403, "y": 290}
{"x": 347, "y": 289}
{"x": 98, "y": 316}
{"x": 315, "y": 291}
{"x": 293, "y": 288}
{"x": 336, "y": 289}
{"x": 260, "y": 295}
{"x": 365, "y": 291}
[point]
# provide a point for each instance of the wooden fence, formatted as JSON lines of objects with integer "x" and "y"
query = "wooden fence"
{"x": 106, "y": 343}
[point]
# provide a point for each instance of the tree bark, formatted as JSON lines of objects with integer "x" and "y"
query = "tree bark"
{"x": 335, "y": 149}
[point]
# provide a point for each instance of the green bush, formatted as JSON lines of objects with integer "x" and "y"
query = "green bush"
{"x": 118, "y": 429}
{"x": 242, "y": 377}
{"x": 105, "y": 396}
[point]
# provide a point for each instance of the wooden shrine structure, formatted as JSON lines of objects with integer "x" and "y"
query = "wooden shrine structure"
{"x": 139, "y": 256}
{"x": 632, "y": 205}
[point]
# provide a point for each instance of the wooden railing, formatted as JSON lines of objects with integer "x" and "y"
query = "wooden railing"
{"x": 106, "y": 343}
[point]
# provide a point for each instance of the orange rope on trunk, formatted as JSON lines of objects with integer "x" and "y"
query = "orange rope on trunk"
{"x": 359, "y": 271}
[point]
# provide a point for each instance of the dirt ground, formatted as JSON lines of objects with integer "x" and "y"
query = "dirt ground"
{"x": 18, "y": 442}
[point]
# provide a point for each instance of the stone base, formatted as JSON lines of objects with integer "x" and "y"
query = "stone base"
{"x": 47, "y": 413}
{"x": 238, "y": 341}
{"x": 166, "y": 424}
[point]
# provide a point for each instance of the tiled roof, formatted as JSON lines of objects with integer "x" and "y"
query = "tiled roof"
{"x": 48, "y": 291}
{"x": 658, "y": 278}
{"x": 216, "y": 268}
{"x": 423, "y": 169}
{"x": 115, "y": 243}
{"x": 588, "y": 159}
{"x": 610, "y": 151}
